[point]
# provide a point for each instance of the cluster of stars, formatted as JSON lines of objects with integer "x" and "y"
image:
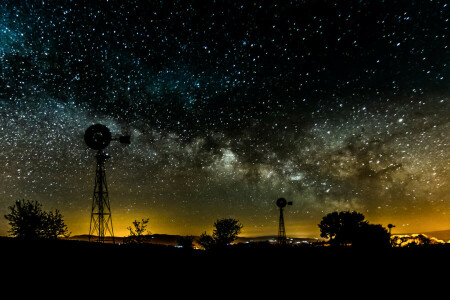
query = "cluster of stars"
{"x": 333, "y": 105}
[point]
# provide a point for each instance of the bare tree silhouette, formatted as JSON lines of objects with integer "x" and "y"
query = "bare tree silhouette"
{"x": 138, "y": 232}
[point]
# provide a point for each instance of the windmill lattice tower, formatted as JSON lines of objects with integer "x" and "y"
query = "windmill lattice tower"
{"x": 98, "y": 137}
{"x": 281, "y": 203}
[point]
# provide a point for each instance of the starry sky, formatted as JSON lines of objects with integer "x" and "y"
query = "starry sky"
{"x": 334, "y": 105}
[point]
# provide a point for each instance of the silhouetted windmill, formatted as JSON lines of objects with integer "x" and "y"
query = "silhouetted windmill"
{"x": 98, "y": 137}
{"x": 390, "y": 228}
{"x": 281, "y": 203}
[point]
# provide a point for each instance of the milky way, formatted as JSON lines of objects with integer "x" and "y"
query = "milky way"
{"x": 230, "y": 105}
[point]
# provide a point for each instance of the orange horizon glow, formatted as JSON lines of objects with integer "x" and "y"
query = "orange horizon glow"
{"x": 294, "y": 228}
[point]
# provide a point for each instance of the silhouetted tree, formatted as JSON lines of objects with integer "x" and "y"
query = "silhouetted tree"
{"x": 54, "y": 226}
{"x": 225, "y": 232}
{"x": 25, "y": 219}
{"x": 186, "y": 241}
{"x": 346, "y": 227}
{"x": 138, "y": 232}
{"x": 206, "y": 241}
{"x": 371, "y": 235}
{"x": 340, "y": 227}
{"x": 29, "y": 221}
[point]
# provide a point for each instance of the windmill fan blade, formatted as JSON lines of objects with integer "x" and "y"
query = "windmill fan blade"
{"x": 97, "y": 137}
{"x": 281, "y": 202}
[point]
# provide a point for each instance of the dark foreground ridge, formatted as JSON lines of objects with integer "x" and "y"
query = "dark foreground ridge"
{"x": 239, "y": 264}
{"x": 37, "y": 251}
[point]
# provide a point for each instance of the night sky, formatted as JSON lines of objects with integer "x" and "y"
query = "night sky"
{"x": 230, "y": 105}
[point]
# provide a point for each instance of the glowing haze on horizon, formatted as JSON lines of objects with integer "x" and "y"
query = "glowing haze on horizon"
{"x": 332, "y": 105}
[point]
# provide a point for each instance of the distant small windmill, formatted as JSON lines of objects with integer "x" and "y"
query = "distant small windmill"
{"x": 390, "y": 228}
{"x": 281, "y": 203}
{"x": 98, "y": 137}
{"x": 390, "y": 236}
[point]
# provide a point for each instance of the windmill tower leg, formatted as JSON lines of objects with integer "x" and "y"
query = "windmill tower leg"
{"x": 281, "y": 229}
{"x": 101, "y": 221}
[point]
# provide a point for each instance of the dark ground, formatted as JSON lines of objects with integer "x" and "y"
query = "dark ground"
{"x": 260, "y": 268}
